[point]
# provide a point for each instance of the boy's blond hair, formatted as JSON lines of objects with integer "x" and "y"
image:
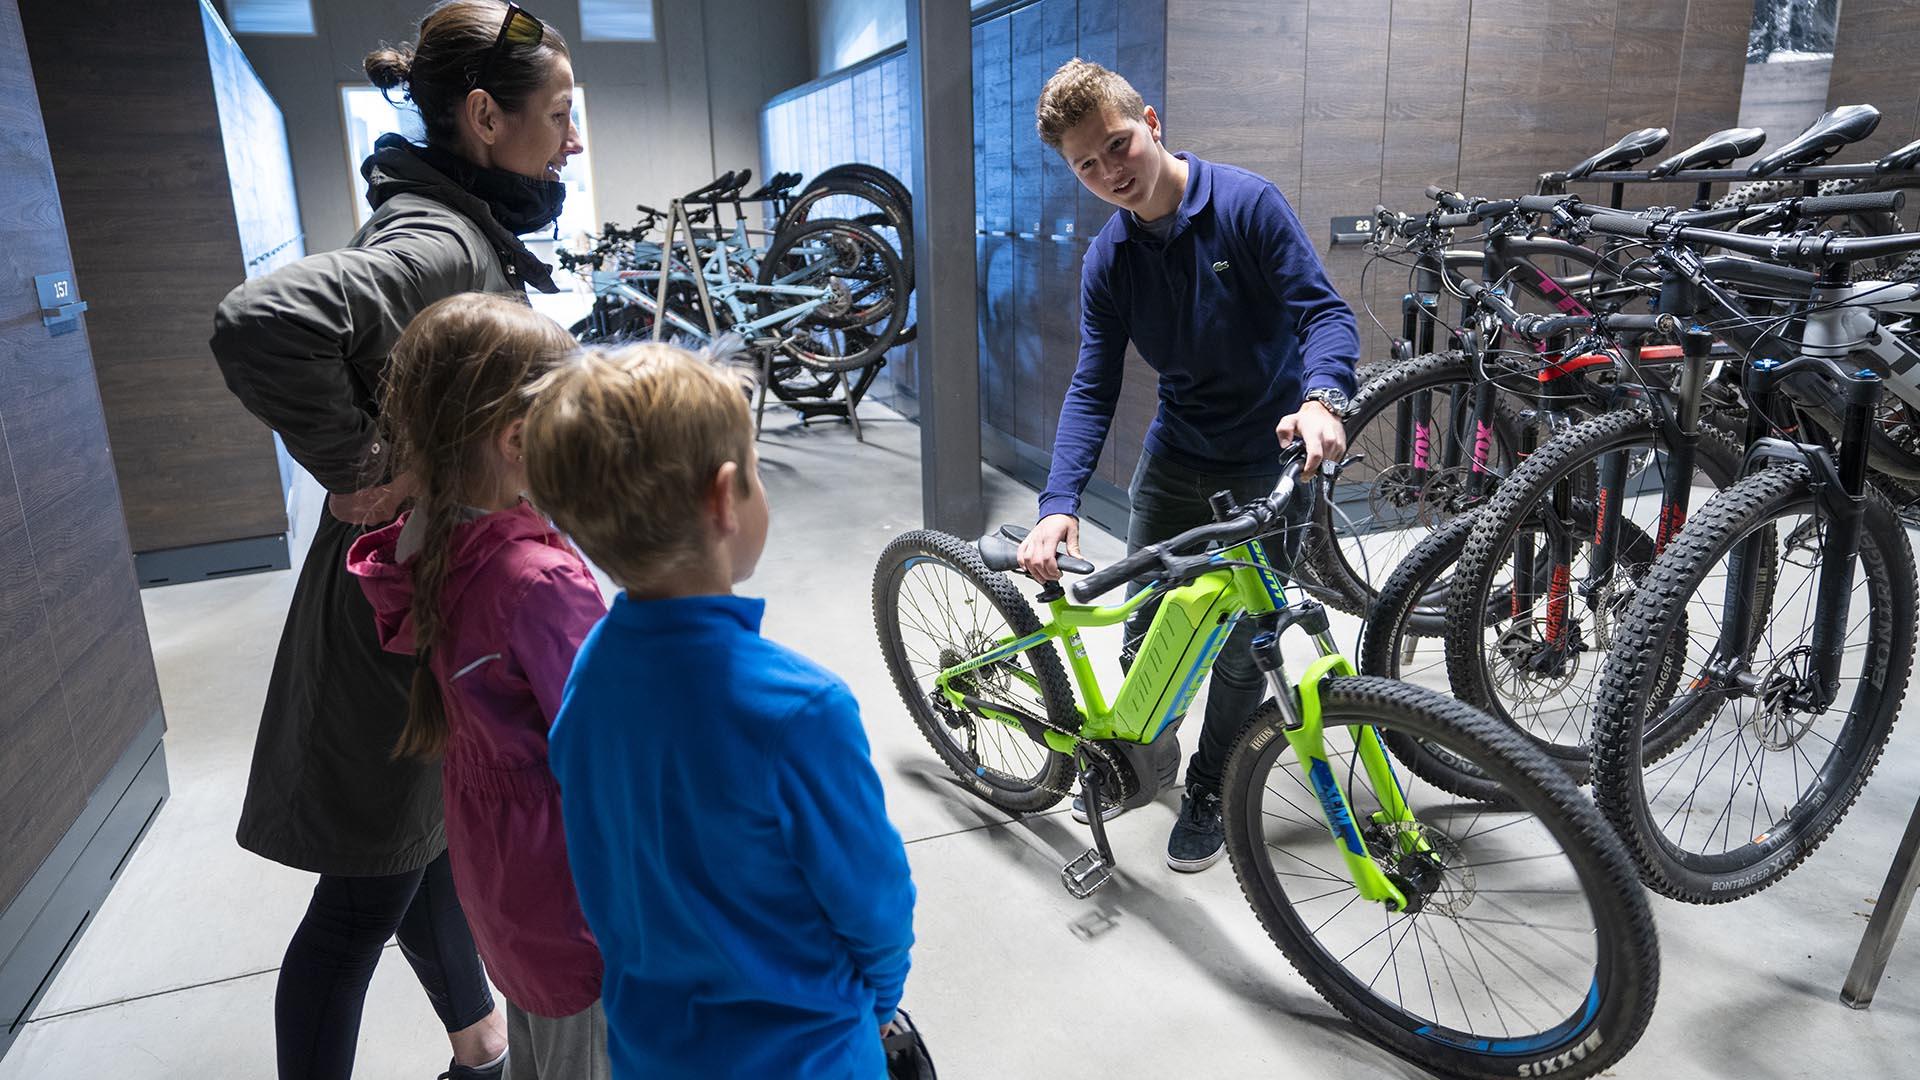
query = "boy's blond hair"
{"x": 622, "y": 446}
{"x": 1077, "y": 90}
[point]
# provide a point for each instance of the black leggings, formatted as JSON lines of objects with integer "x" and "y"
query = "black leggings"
{"x": 323, "y": 980}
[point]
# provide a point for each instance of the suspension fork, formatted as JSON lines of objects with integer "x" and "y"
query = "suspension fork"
{"x": 1480, "y": 474}
{"x": 1677, "y": 488}
{"x": 1304, "y": 730}
{"x": 1841, "y": 550}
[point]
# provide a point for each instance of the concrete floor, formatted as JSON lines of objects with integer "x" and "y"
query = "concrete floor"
{"x": 1160, "y": 974}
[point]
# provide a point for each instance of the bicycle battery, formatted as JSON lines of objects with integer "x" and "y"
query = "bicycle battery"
{"x": 1186, "y": 634}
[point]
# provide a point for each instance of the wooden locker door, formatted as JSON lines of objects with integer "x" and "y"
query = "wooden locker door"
{"x": 79, "y": 678}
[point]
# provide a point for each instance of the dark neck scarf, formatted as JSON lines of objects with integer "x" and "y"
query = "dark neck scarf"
{"x": 520, "y": 204}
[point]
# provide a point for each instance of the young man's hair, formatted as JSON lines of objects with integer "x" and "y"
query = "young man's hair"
{"x": 1077, "y": 90}
{"x": 622, "y": 446}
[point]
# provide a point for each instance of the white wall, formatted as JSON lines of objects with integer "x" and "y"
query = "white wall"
{"x": 664, "y": 117}
{"x": 845, "y": 32}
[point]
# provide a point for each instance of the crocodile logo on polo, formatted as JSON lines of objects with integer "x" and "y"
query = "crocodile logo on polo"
{"x": 1220, "y": 267}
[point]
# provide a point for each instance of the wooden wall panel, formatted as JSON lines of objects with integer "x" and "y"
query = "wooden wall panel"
{"x": 1713, "y": 65}
{"x": 1532, "y": 71}
{"x": 143, "y": 171}
{"x": 1236, "y": 83}
{"x": 1873, "y": 56}
{"x": 1343, "y": 132}
{"x": 67, "y": 706}
{"x": 1420, "y": 129}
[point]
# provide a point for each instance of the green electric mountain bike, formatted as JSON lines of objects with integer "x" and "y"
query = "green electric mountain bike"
{"x": 1474, "y": 939}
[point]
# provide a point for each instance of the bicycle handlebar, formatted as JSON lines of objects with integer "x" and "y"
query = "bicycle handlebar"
{"x": 1253, "y": 519}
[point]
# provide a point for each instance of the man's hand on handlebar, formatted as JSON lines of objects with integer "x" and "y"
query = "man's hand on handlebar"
{"x": 1039, "y": 555}
{"x": 1319, "y": 429}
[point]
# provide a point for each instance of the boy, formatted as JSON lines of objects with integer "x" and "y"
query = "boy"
{"x": 723, "y": 818}
{"x": 1206, "y": 270}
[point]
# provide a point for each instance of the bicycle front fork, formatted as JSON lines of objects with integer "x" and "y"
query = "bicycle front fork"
{"x": 1300, "y": 708}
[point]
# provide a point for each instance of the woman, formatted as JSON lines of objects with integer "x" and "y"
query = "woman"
{"x": 305, "y": 349}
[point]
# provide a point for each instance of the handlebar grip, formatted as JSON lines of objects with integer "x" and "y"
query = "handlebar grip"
{"x": 1540, "y": 204}
{"x": 1620, "y": 225}
{"x": 1116, "y": 574}
{"x": 1864, "y": 202}
{"x": 1455, "y": 221}
{"x": 1494, "y": 208}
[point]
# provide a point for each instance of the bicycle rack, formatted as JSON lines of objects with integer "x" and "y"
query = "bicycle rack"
{"x": 846, "y": 406}
{"x": 1889, "y": 915}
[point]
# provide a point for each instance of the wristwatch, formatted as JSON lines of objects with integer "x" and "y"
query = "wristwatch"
{"x": 1334, "y": 399}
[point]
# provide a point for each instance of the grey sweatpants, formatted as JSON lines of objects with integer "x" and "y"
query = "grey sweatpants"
{"x": 570, "y": 1048}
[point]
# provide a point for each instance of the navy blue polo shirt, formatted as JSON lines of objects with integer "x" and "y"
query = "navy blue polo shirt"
{"x": 1234, "y": 312}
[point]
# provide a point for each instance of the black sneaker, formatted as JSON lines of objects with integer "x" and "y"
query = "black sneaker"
{"x": 492, "y": 1071}
{"x": 1198, "y": 834}
{"x": 1108, "y": 811}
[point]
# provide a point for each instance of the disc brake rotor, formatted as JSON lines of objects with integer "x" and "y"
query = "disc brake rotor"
{"x": 1514, "y": 658}
{"x": 1777, "y": 724}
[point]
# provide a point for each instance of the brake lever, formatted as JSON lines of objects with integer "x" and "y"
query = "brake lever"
{"x": 1332, "y": 469}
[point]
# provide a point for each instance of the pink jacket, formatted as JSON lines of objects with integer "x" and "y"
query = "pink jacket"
{"x": 515, "y": 607}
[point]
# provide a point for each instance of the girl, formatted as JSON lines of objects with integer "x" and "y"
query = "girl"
{"x": 491, "y": 603}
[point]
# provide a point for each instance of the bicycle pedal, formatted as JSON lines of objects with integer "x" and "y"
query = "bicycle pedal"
{"x": 1086, "y": 874}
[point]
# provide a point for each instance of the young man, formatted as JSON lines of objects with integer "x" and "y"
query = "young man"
{"x": 1205, "y": 269}
{"x": 724, "y": 822}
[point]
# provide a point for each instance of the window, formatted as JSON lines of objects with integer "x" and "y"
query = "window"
{"x": 616, "y": 20}
{"x": 290, "y": 17}
{"x": 1790, "y": 30}
{"x": 368, "y": 115}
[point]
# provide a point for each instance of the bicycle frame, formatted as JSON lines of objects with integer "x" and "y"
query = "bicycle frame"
{"x": 1189, "y": 629}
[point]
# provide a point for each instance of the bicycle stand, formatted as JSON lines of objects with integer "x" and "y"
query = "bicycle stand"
{"x": 1093, "y": 867}
{"x": 1889, "y": 914}
{"x": 846, "y": 406}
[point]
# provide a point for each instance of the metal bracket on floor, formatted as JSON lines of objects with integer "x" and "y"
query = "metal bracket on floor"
{"x": 1883, "y": 930}
{"x": 819, "y": 400}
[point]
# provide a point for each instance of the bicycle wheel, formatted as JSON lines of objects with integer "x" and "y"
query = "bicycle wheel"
{"x": 622, "y": 325}
{"x": 866, "y": 294}
{"x": 872, "y": 174}
{"x": 1759, "y": 782}
{"x": 1527, "y": 948}
{"x": 1535, "y": 663}
{"x": 1399, "y": 640}
{"x": 859, "y": 199}
{"x": 1412, "y": 429}
{"x": 935, "y": 604}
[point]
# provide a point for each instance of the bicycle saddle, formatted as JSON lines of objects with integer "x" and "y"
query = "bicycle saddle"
{"x": 737, "y": 181}
{"x": 775, "y": 185}
{"x": 1822, "y": 139}
{"x": 1633, "y": 147}
{"x": 1001, "y": 551}
{"x": 1716, "y": 151}
{"x": 720, "y": 183}
{"x": 1904, "y": 159}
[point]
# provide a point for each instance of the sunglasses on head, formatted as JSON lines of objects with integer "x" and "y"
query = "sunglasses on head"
{"x": 518, "y": 28}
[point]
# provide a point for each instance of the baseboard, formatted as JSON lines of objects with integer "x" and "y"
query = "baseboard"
{"x": 222, "y": 558}
{"x": 39, "y": 928}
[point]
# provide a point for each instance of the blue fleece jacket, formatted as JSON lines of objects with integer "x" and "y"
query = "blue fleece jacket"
{"x": 1234, "y": 312}
{"x": 731, "y": 848}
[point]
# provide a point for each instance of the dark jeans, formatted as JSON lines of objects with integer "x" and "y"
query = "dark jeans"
{"x": 1168, "y": 500}
{"x": 323, "y": 980}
